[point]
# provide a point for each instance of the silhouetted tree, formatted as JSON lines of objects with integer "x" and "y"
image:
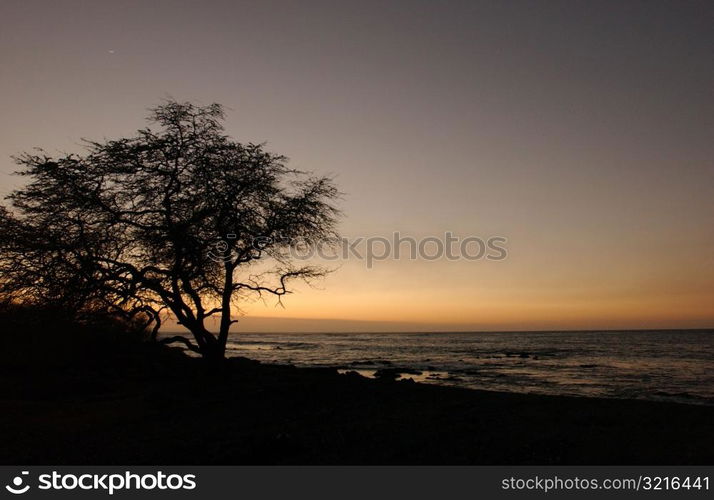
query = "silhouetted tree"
{"x": 174, "y": 219}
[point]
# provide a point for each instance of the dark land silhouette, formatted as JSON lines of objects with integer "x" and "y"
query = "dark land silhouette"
{"x": 96, "y": 394}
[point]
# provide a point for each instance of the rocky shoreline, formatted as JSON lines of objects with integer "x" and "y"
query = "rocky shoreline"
{"x": 148, "y": 405}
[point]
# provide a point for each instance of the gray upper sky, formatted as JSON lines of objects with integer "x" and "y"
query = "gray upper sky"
{"x": 582, "y": 131}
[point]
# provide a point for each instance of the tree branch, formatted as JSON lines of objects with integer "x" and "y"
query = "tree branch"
{"x": 178, "y": 338}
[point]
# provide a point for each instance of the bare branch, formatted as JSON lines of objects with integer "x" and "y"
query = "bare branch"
{"x": 183, "y": 340}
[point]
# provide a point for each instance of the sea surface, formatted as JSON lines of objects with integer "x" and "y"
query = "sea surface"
{"x": 654, "y": 365}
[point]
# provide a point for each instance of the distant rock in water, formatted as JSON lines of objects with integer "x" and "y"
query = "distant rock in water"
{"x": 394, "y": 373}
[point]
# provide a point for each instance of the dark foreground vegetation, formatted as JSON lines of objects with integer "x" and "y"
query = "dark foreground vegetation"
{"x": 70, "y": 395}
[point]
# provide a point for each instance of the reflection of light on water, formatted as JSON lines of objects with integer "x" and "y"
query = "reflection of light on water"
{"x": 651, "y": 365}
{"x": 429, "y": 377}
{"x": 364, "y": 373}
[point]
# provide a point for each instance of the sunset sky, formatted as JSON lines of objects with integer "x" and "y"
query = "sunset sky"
{"x": 583, "y": 132}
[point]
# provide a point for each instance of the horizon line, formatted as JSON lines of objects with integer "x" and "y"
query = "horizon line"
{"x": 408, "y": 332}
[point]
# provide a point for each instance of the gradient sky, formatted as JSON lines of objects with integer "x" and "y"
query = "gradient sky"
{"x": 581, "y": 131}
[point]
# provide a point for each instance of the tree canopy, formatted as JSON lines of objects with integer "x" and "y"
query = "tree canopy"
{"x": 171, "y": 220}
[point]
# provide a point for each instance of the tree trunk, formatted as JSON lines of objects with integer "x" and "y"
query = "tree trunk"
{"x": 209, "y": 346}
{"x": 214, "y": 353}
{"x": 226, "y": 307}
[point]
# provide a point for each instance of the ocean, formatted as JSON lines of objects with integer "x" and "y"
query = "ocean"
{"x": 653, "y": 365}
